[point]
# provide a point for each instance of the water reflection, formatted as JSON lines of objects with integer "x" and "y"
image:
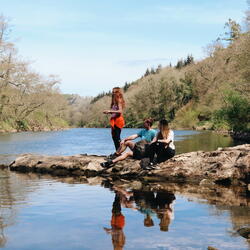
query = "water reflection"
{"x": 157, "y": 204}
{"x": 205, "y": 141}
{"x": 134, "y": 212}
{"x": 13, "y": 193}
{"x": 117, "y": 224}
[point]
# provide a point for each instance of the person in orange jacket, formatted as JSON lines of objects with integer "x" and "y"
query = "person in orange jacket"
{"x": 116, "y": 120}
{"x": 117, "y": 225}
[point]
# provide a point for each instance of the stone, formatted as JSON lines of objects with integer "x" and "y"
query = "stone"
{"x": 94, "y": 167}
{"x": 206, "y": 182}
{"x": 227, "y": 166}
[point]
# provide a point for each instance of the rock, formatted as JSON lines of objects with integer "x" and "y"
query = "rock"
{"x": 95, "y": 180}
{"x": 227, "y": 166}
{"x": 206, "y": 182}
{"x": 211, "y": 248}
{"x": 94, "y": 167}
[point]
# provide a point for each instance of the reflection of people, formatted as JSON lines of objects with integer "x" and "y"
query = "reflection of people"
{"x": 116, "y": 120}
{"x": 163, "y": 144}
{"x": 148, "y": 221}
{"x": 147, "y": 134}
{"x": 117, "y": 224}
{"x": 164, "y": 209}
{"x": 159, "y": 202}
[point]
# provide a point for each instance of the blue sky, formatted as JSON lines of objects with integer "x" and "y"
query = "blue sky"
{"x": 98, "y": 44}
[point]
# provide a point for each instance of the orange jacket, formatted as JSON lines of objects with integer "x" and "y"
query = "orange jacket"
{"x": 118, "y": 221}
{"x": 117, "y": 121}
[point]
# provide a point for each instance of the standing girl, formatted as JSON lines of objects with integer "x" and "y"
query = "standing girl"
{"x": 116, "y": 121}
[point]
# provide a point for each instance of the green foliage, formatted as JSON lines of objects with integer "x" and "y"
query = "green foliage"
{"x": 182, "y": 63}
{"x": 235, "y": 113}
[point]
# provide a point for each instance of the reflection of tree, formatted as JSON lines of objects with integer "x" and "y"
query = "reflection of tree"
{"x": 2, "y": 236}
{"x": 206, "y": 141}
{"x": 13, "y": 190}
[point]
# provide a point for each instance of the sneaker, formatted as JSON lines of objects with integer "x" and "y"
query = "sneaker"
{"x": 111, "y": 156}
{"x": 150, "y": 166}
{"x": 107, "y": 164}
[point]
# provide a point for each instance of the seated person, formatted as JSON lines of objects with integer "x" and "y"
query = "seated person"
{"x": 146, "y": 134}
{"x": 162, "y": 145}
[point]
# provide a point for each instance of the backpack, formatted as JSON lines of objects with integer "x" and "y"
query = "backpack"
{"x": 140, "y": 149}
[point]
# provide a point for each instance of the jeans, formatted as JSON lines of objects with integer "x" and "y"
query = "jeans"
{"x": 161, "y": 152}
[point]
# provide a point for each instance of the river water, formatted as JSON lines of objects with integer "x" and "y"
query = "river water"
{"x": 41, "y": 212}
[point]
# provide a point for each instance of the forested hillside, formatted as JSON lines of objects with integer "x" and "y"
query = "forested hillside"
{"x": 213, "y": 93}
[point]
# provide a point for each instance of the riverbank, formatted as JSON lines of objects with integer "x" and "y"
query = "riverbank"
{"x": 225, "y": 166}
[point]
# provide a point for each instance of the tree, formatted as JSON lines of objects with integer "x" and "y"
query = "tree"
{"x": 189, "y": 60}
{"x": 159, "y": 68}
{"x": 152, "y": 71}
{"x": 236, "y": 112}
{"x": 147, "y": 73}
{"x": 234, "y": 31}
{"x": 179, "y": 64}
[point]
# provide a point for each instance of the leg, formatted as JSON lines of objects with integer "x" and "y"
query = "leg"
{"x": 151, "y": 151}
{"x": 123, "y": 147}
{"x": 165, "y": 154}
{"x": 110, "y": 162}
{"x": 122, "y": 157}
{"x": 116, "y": 136}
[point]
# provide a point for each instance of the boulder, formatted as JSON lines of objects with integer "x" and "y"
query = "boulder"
{"x": 227, "y": 166}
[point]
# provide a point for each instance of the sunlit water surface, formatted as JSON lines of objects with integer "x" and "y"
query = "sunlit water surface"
{"x": 94, "y": 141}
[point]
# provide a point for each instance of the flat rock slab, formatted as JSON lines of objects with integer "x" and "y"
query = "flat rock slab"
{"x": 228, "y": 166}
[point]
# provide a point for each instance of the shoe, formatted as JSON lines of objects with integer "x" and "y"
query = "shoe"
{"x": 150, "y": 166}
{"x": 107, "y": 163}
{"x": 111, "y": 156}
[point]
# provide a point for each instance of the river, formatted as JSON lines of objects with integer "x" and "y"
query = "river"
{"x": 41, "y": 212}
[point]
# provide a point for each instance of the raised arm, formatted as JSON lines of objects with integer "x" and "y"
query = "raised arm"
{"x": 119, "y": 111}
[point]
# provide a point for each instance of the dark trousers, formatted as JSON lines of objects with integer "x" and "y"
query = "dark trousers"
{"x": 116, "y": 136}
{"x": 161, "y": 152}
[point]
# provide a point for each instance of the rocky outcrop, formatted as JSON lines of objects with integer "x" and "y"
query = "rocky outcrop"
{"x": 228, "y": 166}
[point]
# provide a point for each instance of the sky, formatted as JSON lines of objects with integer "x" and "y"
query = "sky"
{"x": 96, "y": 45}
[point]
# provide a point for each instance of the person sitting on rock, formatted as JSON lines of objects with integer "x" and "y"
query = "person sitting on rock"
{"x": 147, "y": 135}
{"x": 162, "y": 145}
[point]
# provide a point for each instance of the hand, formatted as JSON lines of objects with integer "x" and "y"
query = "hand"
{"x": 106, "y": 112}
{"x": 122, "y": 142}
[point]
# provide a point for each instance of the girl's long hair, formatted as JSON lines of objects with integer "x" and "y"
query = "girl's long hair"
{"x": 164, "y": 129}
{"x": 117, "y": 97}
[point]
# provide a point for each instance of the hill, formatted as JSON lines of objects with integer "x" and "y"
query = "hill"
{"x": 213, "y": 93}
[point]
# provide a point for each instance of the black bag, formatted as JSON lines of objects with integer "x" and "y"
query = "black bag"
{"x": 140, "y": 150}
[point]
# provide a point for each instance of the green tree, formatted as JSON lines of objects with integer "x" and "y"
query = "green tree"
{"x": 236, "y": 112}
